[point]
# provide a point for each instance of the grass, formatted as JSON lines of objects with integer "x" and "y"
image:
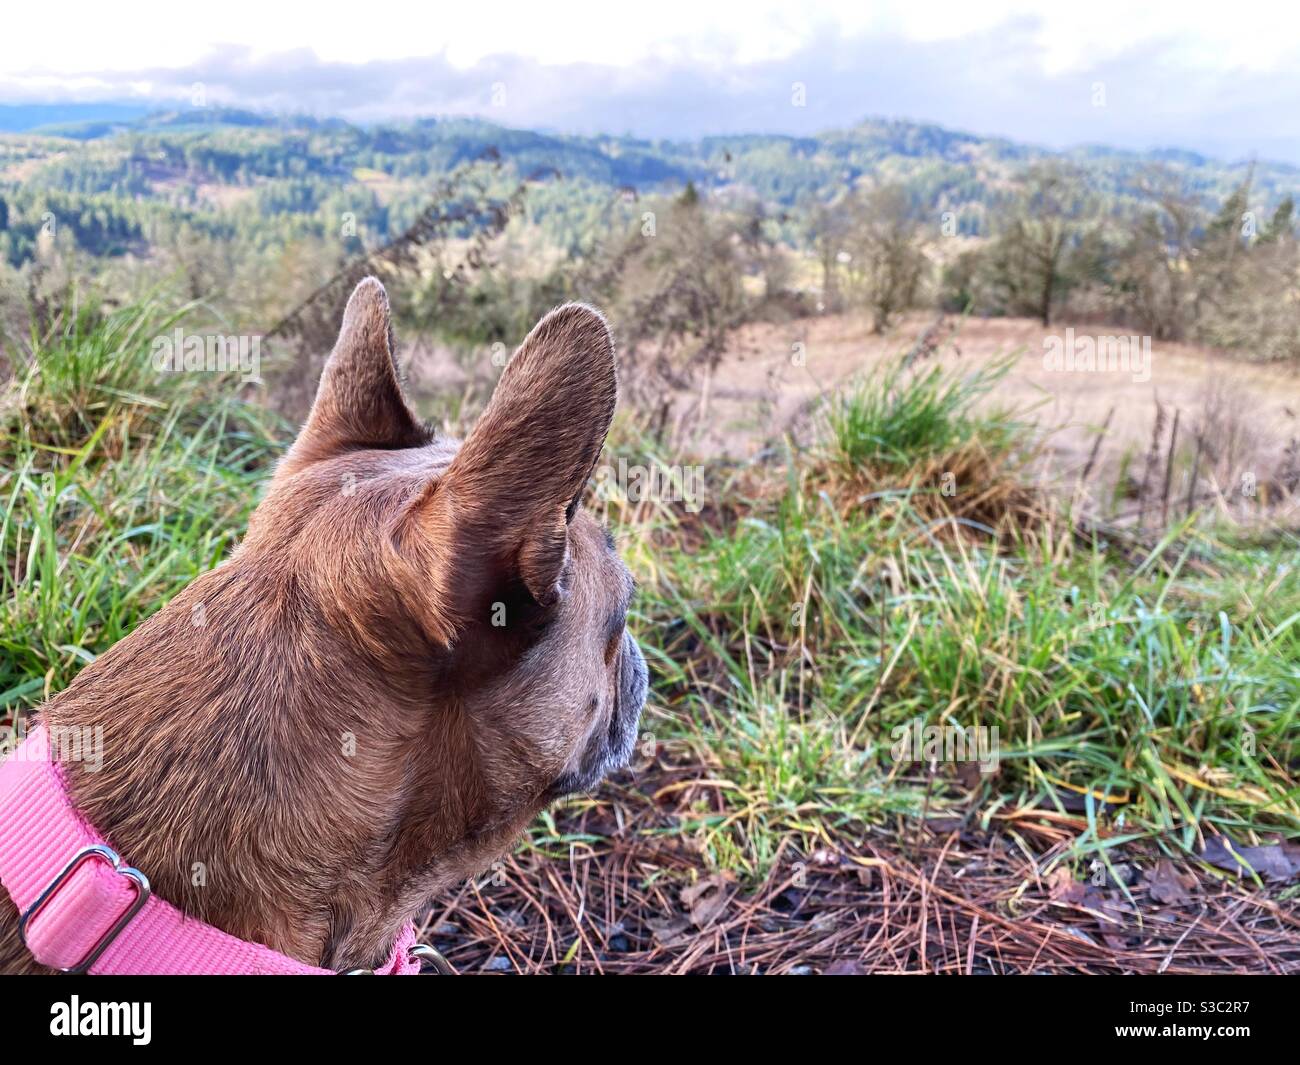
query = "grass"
{"x": 903, "y": 418}
{"x": 795, "y": 633}
{"x": 800, "y": 646}
{"x": 792, "y": 626}
{"x": 119, "y": 486}
{"x": 920, "y": 437}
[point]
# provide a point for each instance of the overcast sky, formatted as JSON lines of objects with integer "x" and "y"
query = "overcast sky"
{"x": 1220, "y": 78}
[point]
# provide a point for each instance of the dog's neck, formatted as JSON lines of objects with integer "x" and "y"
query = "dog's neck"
{"x": 258, "y": 787}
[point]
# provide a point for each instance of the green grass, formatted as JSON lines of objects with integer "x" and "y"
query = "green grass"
{"x": 790, "y": 630}
{"x": 119, "y": 485}
{"x": 903, "y": 418}
{"x": 1157, "y": 698}
{"x": 1101, "y": 682}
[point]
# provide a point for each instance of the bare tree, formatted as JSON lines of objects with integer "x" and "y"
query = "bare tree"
{"x": 1037, "y": 230}
{"x": 1153, "y": 262}
{"x": 887, "y": 257}
{"x": 827, "y": 226}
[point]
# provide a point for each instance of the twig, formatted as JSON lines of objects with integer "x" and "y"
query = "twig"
{"x": 1169, "y": 472}
{"x": 1096, "y": 448}
{"x": 1196, "y": 473}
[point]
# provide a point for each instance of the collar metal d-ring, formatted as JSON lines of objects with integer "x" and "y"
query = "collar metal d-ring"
{"x": 418, "y": 952}
{"x": 423, "y": 952}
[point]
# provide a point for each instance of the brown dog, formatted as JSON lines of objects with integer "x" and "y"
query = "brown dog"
{"x": 417, "y": 646}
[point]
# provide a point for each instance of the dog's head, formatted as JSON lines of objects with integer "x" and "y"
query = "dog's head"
{"x": 417, "y": 646}
{"x": 480, "y": 613}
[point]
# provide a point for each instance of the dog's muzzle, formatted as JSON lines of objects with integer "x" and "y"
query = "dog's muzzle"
{"x": 611, "y": 748}
{"x": 633, "y": 684}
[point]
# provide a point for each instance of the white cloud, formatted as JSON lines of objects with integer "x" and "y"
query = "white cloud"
{"x": 1175, "y": 74}
{"x": 79, "y": 35}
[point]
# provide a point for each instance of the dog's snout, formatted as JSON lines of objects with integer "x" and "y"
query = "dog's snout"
{"x": 633, "y": 682}
{"x": 611, "y": 748}
{"x": 635, "y": 677}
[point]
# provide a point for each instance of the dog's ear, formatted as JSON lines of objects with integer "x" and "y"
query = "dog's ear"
{"x": 501, "y": 511}
{"x": 359, "y": 402}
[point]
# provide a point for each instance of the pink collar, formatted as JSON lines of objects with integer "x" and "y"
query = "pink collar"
{"x": 84, "y": 910}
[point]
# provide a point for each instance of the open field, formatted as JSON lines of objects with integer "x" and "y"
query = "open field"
{"x": 759, "y": 392}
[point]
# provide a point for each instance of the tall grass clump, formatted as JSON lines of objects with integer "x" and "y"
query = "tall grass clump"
{"x": 88, "y": 363}
{"x": 119, "y": 484}
{"x": 927, "y": 435}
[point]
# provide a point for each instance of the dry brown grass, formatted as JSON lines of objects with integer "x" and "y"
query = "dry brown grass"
{"x": 988, "y": 491}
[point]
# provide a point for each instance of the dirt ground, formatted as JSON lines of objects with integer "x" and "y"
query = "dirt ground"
{"x": 766, "y": 384}
{"x": 772, "y": 377}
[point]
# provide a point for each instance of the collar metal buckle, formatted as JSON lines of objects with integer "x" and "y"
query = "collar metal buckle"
{"x": 105, "y": 854}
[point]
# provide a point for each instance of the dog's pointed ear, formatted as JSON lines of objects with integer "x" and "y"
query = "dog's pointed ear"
{"x": 501, "y": 511}
{"x": 359, "y": 402}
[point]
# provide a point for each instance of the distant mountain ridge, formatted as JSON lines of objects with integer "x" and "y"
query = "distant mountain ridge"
{"x": 902, "y": 137}
{"x": 120, "y": 172}
{"x": 24, "y": 118}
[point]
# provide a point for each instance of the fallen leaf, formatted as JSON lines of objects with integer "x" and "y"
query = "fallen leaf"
{"x": 670, "y": 931}
{"x": 707, "y": 899}
{"x": 1277, "y": 861}
{"x": 1060, "y": 885}
{"x": 1167, "y": 885}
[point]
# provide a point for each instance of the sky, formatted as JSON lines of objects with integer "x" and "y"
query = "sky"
{"x": 1222, "y": 79}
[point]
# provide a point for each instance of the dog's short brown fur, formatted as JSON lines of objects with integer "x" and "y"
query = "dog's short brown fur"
{"x": 416, "y": 647}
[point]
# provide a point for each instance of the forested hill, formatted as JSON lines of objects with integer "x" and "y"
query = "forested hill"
{"x": 116, "y": 178}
